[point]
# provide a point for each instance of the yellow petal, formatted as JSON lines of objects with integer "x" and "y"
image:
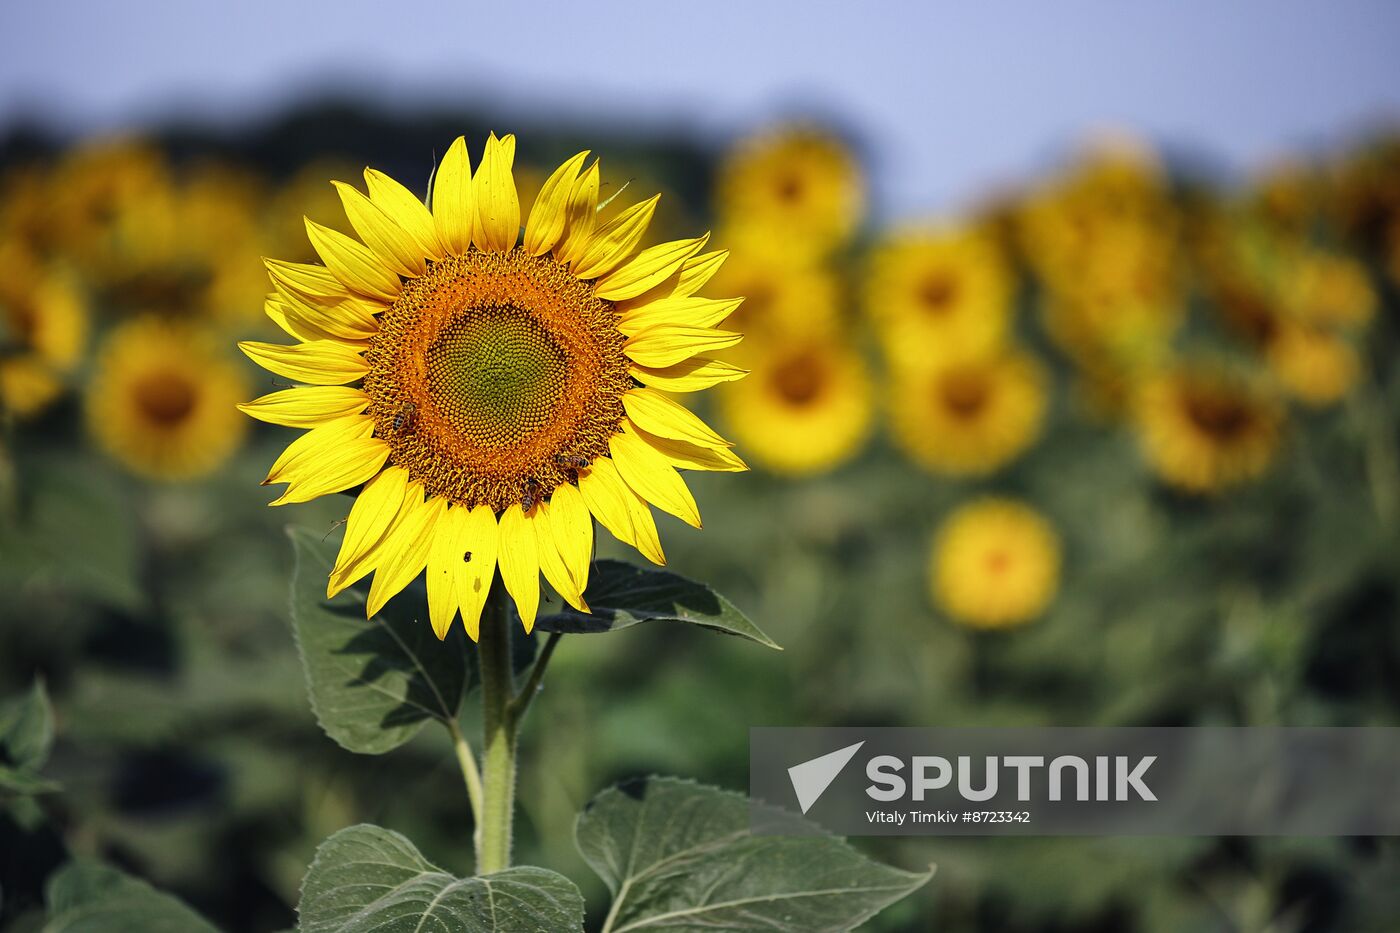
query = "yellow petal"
{"x": 520, "y": 563}
{"x": 581, "y": 216}
{"x": 697, "y": 271}
{"x": 305, "y": 279}
{"x": 692, "y": 375}
{"x": 668, "y": 344}
{"x": 647, "y": 269}
{"x": 551, "y": 564}
{"x": 606, "y": 496}
{"x": 476, "y": 566}
{"x": 376, "y": 551}
{"x": 386, "y": 239}
{"x": 306, "y": 407}
{"x": 453, "y": 211}
{"x": 320, "y": 362}
{"x": 350, "y": 464}
{"x": 374, "y": 508}
{"x": 616, "y": 240}
{"x": 406, "y": 210}
{"x": 651, "y": 476}
{"x": 548, "y": 216}
{"x": 444, "y": 554}
{"x": 319, "y": 442}
{"x": 497, "y": 203}
{"x": 350, "y": 319}
{"x": 686, "y": 456}
{"x": 656, "y": 414}
{"x": 572, "y": 527}
{"x": 689, "y": 312}
{"x": 405, "y": 553}
{"x": 353, "y": 263}
{"x": 278, "y": 310}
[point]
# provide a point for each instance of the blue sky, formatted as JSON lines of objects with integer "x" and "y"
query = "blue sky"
{"x": 950, "y": 99}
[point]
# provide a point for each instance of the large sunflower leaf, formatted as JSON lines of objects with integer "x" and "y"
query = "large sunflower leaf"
{"x": 373, "y": 683}
{"x": 622, "y": 595}
{"x": 366, "y": 878}
{"x": 680, "y": 856}
{"x": 87, "y": 897}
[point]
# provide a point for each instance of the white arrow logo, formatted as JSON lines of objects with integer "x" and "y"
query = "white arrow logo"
{"x": 811, "y": 778}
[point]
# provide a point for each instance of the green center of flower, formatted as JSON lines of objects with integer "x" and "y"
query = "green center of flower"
{"x": 497, "y": 375}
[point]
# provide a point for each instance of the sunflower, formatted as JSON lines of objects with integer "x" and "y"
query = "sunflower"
{"x": 43, "y": 328}
{"x": 806, "y": 408}
{"x": 492, "y": 396}
{"x": 995, "y": 564}
{"x": 1316, "y": 366}
{"x": 1328, "y": 289}
{"x": 162, "y": 400}
{"x": 969, "y": 416}
{"x": 945, "y": 293}
{"x": 793, "y": 191}
{"x": 1204, "y": 427}
{"x": 780, "y": 298}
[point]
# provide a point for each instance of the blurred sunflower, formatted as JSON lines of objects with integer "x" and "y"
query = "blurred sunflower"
{"x": 1204, "y": 427}
{"x": 793, "y": 191}
{"x": 43, "y": 329}
{"x": 968, "y": 416}
{"x": 1316, "y": 366}
{"x": 779, "y": 298}
{"x": 995, "y": 564}
{"x": 806, "y": 409}
{"x": 935, "y": 293}
{"x": 162, "y": 400}
{"x": 93, "y": 186}
{"x": 507, "y": 394}
{"x": 1328, "y": 289}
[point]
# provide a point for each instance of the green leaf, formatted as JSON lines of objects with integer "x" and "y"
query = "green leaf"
{"x": 622, "y": 595}
{"x": 26, "y": 729}
{"x": 366, "y": 878}
{"x": 88, "y": 897}
{"x": 373, "y": 684}
{"x": 680, "y": 856}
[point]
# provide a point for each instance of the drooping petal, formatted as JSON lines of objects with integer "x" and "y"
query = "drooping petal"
{"x": 606, "y": 496}
{"x": 647, "y": 269}
{"x": 406, "y": 210}
{"x": 668, "y": 344}
{"x": 386, "y": 239}
{"x": 405, "y": 553}
{"x": 376, "y": 550}
{"x": 453, "y": 209}
{"x": 497, "y": 203}
{"x": 444, "y": 554}
{"x": 476, "y": 566}
{"x": 374, "y": 508}
{"x": 616, "y": 240}
{"x": 551, "y": 564}
{"x": 692, "y": 375}
{"x": 651, "y": 476}
{"x": 316, "y": 282}
{"x": 320, "y": 362}
{"x": 306, "y": 407}
{"x": 656, "y": 414}
{"x": 349, "y": 464}
{"x": 353, "y": 263}
{"x": 518, "y": 556}
{"x": 320, "y": 441}
{"x": 581, "y": 216}
{"x": 688, "y": 312}
{"x": 572, "y": 527}
{"x": 686, "y": 456}
{"x": 550, "y": 213}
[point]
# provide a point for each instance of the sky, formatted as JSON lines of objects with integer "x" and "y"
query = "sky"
{"x": 950, "y": 100}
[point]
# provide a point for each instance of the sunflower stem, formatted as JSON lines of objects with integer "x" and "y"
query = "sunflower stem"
{"x": 527, "y": 693}
{"x": 498, "y": 735}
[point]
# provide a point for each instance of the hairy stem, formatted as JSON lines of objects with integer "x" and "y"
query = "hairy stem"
{"x": 471, "y": 775}
{"x": 522, "y": 701}
{"x": 498, "y": 735}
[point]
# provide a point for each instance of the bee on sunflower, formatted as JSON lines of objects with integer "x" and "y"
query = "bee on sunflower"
{"x": 493, "y": 395}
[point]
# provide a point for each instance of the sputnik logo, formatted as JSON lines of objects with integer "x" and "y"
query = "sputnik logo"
{"x": 811, "y": 778}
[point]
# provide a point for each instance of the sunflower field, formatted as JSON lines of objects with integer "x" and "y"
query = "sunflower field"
{"x": 1119, "y": 447}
